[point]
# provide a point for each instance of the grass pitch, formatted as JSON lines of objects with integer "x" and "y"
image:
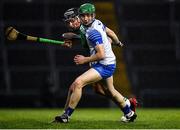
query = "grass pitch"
{"x": 107, "y": 118}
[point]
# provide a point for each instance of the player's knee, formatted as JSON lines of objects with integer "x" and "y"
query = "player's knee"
{"x": 95, "y": 88}
{"x": 78, "y": 84}
{"x": 71, "y": 89}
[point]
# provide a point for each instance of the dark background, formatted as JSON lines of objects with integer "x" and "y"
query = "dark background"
{"x": 37, "y": 75}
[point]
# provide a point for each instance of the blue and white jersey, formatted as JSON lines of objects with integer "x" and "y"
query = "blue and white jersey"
{"x": 96, "y": 34}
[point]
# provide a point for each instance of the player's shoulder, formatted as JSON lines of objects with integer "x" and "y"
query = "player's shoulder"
{"x": 97, "y": 23}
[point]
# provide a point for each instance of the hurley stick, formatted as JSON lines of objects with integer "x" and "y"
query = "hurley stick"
{"x": 12, "y": 34}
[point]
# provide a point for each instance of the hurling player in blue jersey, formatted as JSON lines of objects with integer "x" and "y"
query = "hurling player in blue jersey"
{"x": 73, "y": 23}
{"x": 103, "y": 64}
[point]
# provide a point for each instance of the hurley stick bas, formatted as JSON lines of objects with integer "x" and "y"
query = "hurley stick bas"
{"x": 12, "y": 34}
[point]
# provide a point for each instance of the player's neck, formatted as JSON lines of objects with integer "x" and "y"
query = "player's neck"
{"x": 89, "y": 25}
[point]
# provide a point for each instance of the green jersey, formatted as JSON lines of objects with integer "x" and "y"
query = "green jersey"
{"x": 83, "y": 37}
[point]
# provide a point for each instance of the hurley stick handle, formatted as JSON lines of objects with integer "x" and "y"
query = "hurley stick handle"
{"x": 45, "y": 40}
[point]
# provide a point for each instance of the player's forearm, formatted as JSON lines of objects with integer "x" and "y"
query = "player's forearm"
{"x": 96, "y": 57}
{"x": 113, "y": 37}
{"x": 99, "y": 55}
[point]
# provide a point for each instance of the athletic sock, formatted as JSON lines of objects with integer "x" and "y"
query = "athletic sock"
{"x": 69, "y": 111}
{"x": 126, "y": 108}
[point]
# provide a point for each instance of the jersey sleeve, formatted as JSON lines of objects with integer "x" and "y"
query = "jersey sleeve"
{"x": 95, "y": 37}
{"x": 104, "y": 27}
